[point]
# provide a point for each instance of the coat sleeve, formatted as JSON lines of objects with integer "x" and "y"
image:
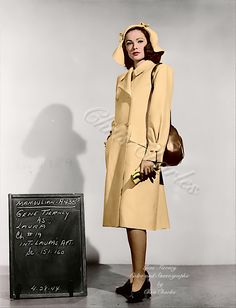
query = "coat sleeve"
{"x": 158, "y": 116}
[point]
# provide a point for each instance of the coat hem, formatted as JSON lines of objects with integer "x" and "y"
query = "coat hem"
{"x": 135, "y": 227}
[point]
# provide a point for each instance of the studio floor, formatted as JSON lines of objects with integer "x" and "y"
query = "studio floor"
{"x": 211, "y": 286}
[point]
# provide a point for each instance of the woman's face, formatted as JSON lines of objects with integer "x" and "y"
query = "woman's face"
{"x": 135, "y": 41}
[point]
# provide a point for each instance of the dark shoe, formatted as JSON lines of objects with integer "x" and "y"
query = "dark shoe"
{"x": 126, "y": 289}
{"x": 144, "y": 292}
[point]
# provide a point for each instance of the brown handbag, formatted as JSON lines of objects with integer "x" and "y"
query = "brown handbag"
{"x": 174, "y": 151}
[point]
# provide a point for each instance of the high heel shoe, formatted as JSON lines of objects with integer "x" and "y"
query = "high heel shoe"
{"x": 144, "y": 292}
{"x": 126, "y": 289}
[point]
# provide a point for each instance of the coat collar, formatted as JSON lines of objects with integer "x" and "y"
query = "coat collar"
{"x": 125, "y": 78}
{"x": 143, "y": 67}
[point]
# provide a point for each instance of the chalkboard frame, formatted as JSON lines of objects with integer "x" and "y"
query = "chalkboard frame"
{"x": 12, "y": 276}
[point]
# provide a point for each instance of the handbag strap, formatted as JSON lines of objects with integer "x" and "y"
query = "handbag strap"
{"x": 152, "y": 85}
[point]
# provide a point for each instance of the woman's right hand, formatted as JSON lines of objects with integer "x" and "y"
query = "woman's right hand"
{"x": 146, "y": 167}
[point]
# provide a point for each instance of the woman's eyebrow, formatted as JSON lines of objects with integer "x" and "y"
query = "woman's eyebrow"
{"x": 138, "y": 38}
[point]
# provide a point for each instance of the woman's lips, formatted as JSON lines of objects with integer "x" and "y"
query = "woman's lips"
{"x": 135, "y": 53}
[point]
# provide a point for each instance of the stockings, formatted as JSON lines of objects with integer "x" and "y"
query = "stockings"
{"x": 138, "y": 242}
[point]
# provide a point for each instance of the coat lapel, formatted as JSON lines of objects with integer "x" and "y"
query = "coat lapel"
{"x": 142, "y": 67}
{"x": 125, "y": 78}
{"x": 125, "y": 81}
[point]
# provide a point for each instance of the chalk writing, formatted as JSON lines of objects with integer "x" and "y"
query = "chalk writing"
{"x": 46, "y": 246}
{"x": 51, "y": 242}
{"x": 45, "y": 288}
{"x": 21, "y": 225}
{"x": 40, "y": 218}
{"x": 30, "y": 252}
{"x": 38, "y": 202}
{"x": 44, "y": 212}
{"x": 48, "y": 251}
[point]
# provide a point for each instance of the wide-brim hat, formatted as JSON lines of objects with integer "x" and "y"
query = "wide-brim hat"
{"x": 118, "y": 54}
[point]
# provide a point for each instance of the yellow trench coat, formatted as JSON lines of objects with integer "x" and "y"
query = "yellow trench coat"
{"x": 135, "y": 137}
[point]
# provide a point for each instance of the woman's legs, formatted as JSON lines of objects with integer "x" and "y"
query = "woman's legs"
{"x": 138, "y": 242}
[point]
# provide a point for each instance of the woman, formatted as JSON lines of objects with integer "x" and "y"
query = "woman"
{"x": 137, "y": 142}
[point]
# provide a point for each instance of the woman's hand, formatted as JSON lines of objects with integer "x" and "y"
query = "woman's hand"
{"x": 146, "y": 167}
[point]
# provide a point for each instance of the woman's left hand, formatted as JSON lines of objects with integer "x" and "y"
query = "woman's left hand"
{"x": 146, "y": 167}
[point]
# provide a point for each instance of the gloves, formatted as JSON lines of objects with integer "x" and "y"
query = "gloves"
{"x": 141, "y": 177}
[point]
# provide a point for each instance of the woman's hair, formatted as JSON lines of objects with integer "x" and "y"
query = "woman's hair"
{"x": 149, "y": 53}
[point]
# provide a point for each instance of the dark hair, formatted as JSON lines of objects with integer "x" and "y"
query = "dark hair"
{"x": 149, "y": 53}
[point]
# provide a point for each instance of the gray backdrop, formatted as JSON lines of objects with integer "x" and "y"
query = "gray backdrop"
{"x": 57, "y": 102}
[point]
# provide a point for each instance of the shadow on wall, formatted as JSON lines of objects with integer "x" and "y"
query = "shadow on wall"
{"x": 92, "y": 253}
{"x": 53, "y": 138}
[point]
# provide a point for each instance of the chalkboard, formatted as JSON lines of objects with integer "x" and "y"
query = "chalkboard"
{"x": 47, "y": 245}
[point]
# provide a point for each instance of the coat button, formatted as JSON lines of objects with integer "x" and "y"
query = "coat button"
{"x": 155, "y": 147}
